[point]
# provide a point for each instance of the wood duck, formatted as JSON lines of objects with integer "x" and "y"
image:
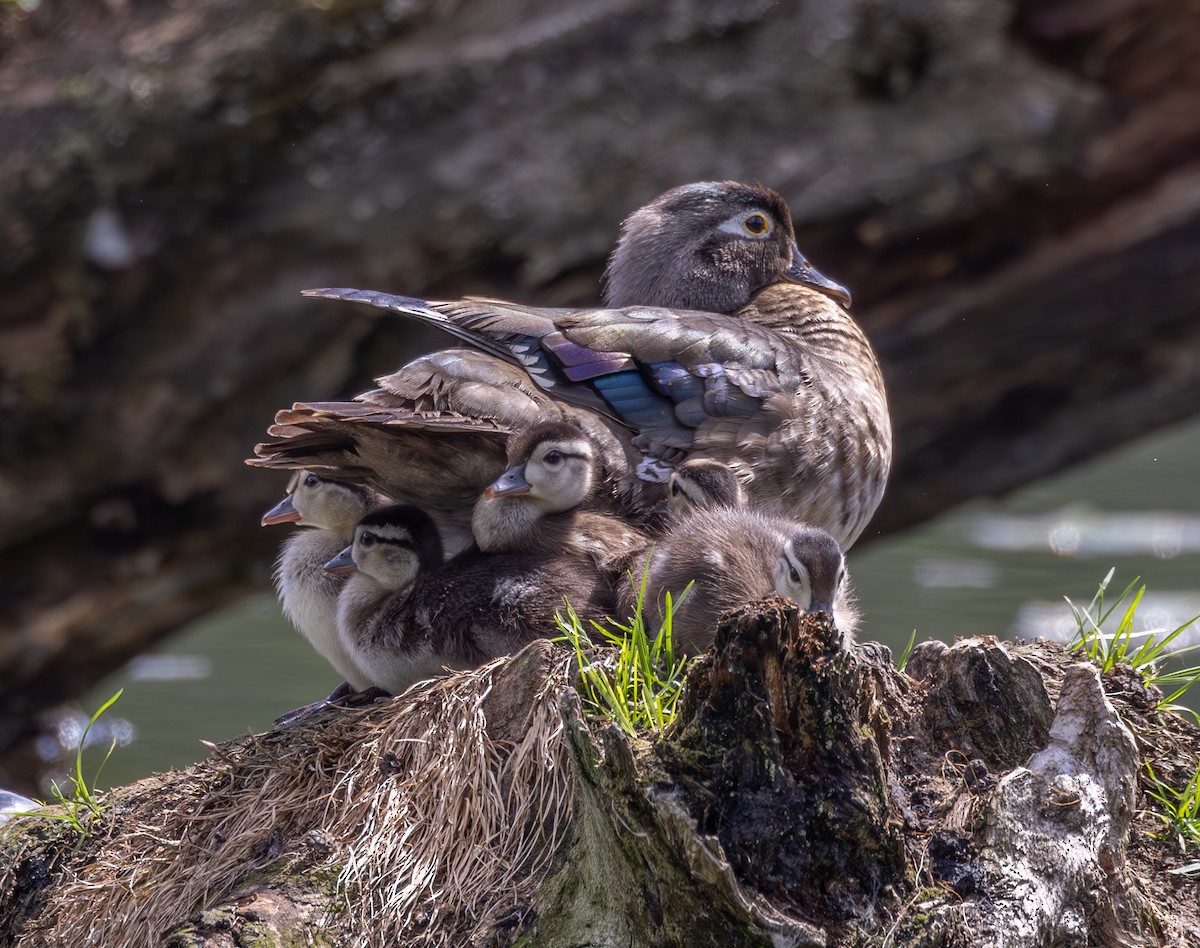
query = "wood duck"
{"x": 735, "y": 556}
{"x": 329, "y": 510}
{"x": 780, "y": 384}
{"x": 404, "y": 615}
{"x": 556, "y": 497}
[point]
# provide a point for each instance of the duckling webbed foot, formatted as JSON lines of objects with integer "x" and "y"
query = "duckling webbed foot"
{"x": 356, "y": 699}
{"x": 289, "y": 718}
{"x": 343, "y": 696}
{"x": 340, "y": 692}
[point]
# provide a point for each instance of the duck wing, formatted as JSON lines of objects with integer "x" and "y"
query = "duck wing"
{"x": 662, "y": 373}
{"x": 434, "y": 429}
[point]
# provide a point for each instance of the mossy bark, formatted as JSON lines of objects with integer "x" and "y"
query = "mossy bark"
{"x": 806, "y": 795}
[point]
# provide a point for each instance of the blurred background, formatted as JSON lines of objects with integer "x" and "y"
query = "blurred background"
{"x": 1011, "y": 190}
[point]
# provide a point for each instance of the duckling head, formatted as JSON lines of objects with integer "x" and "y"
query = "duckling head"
{"x": 315, "y": 501}
{"x": 391, "y": 545}
{"x": 553, "y": 466}
{"x": 702, "y": 484}
{"x": 708, "y": 246}
{"x": 811, "y": 570}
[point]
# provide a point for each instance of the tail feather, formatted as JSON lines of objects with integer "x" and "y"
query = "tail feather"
{"x": 418, "y": 309}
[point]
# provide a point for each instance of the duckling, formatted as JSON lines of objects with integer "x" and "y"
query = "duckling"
{"x": 404, "y": 615}
{"x": 555, "y": 497}
{"x": 701, "y": 484}
{"x": 775, "y": 380}
{"x": 736, "y": 556}
{"x": 307, "y": 593}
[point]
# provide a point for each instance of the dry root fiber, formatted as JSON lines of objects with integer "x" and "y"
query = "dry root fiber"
{"x": 441, "y": 807}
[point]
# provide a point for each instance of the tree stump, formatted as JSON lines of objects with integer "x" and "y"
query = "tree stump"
{"x": 805, "y": 795}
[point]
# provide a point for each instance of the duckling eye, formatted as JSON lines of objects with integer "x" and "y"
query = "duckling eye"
{"x": 311, "y": 480}
{"x": 676, "y": 490}
{"x": 367, "y": 538}
{"x": 795, "y": 575}
{"x": 553, "y": 457}
{"x": 756, "y": 224}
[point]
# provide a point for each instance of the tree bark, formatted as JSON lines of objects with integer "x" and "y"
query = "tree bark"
{"x": 1010, "y": 190}
{"x": 805, "y": 795}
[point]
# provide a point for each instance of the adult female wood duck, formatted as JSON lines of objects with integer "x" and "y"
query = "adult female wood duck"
{"x": 329, "y": 510}
{"x": 556, "y": 497}
{"x": 734, "y": 556}
{"x": 786, "y": 390}
{"x": 404, "y": 615}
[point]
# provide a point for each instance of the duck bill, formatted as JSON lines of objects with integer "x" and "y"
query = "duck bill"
{"x": 509, "y": 484}
{"x": 282, "y": 512}
{"x": 342, "y": 563}
{"x": 801, "y": 271}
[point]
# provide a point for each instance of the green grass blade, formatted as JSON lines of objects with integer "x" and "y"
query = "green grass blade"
{"x": 638, "y": 684}
{"x": 902, "y": 663}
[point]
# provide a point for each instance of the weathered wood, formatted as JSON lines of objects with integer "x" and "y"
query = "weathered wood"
{"x": 1009, "y": 189}
{"x": 804, "y": 796}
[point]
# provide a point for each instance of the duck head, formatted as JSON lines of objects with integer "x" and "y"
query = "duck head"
{"x": 811, "y": 570}
{"x": 391, "y": 545}
{"x": 708, "y": 246}
{"x": 315, "y": 501}
{"x": 553, "y": 465}
{"x": 702, "y": 484}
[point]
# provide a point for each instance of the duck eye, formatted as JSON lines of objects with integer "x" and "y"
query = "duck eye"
{"x": 553, "y": 457}
{"x": 366, "y": 538}
{"x": 795, "y": 576}
{"x": 676, "y": 490}
{"x": 311, "y": 480}
{"x": 756, "y": 224}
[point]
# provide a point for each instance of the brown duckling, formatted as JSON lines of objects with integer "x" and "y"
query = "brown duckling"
{"x": 702, "y": 484}
{"x": 404, "y": 615}
{"x": 735, "y": 556}
{"x": 556, "y": 497}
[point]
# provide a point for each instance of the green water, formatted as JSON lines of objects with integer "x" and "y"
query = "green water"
{"x": 987, "y": 568}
